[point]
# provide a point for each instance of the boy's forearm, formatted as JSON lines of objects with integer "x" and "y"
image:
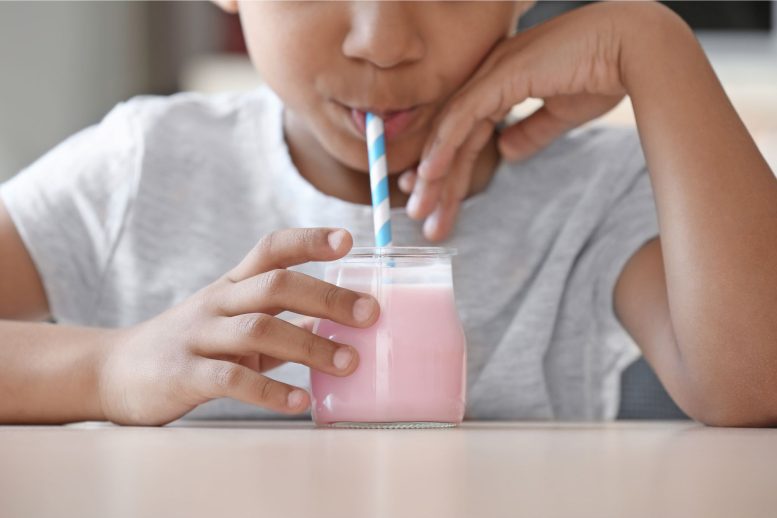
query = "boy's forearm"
{"x": 50, "y": 373}
{"x": 717, "y": 204}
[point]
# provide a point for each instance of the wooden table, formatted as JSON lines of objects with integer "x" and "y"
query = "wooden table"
{"x": 290, "y": 469}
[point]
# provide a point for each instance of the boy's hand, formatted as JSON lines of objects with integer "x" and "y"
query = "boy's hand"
{"x": 217, "y": 342}
{"x": 572, "y": 62}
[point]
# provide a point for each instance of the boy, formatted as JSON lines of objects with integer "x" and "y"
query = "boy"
{"x": 127, "y": 233}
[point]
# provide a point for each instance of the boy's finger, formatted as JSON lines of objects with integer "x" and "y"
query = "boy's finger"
{"x": 285, "y": 290}
{"x": 459, "y": 183}
{"x": 483, "y": 100}
{"x": 219, "y": 378}
{"x": 428, "y": 193}
{"x": 530, "y": 135}
{"x": 407, "y": 181}
{"x": 439, "y": 225}
{"x": 267, "y": 335}
{"x": 425, "y": 196}
{"x": 290, "y": 247}
{"x": 467, "y": 157}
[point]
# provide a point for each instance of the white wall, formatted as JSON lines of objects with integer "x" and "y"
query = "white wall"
{"x": 62, "y": 66}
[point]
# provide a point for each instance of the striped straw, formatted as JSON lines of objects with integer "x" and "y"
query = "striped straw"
{"x": 381, "y": 210}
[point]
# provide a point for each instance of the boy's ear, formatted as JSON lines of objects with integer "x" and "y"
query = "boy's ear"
{"x": 229, "y": 6}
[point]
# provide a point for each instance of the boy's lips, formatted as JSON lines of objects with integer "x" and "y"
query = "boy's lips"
{"x": 394, "y": 122}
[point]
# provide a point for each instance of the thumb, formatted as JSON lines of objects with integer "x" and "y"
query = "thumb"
{"x": 531, "y": 134}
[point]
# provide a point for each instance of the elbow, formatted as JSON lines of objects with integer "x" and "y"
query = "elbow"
{"x": 734, "y": 419}
{"x": 730, "y": 380}
{"x": 747, "y": 406}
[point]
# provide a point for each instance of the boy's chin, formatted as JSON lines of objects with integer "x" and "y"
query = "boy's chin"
{"x": 356, "y": 160}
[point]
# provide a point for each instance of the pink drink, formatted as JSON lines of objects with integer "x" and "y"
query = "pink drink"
{"x": 412, "y": 361}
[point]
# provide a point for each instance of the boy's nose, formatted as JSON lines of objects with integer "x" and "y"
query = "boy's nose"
{"x": 383, "y": 33}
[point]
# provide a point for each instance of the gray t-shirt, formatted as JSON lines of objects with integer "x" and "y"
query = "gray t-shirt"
{"x": 131, "y": 216}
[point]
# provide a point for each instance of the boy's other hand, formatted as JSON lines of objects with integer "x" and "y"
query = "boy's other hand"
{"x": 571, "y": 62}
{"x": 218, "y": 342}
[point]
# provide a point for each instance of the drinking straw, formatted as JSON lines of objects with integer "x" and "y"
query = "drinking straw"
{"x": 381, "y": 210}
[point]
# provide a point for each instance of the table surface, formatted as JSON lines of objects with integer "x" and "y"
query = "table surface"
{"x": 291, "y": 469}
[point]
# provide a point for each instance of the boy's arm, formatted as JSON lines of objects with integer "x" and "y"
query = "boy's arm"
{"x": 49, "y": 373}
{"x": 21, "y": 291}
{"x": 216, "y": 343}
{"x": 702, "y": 302}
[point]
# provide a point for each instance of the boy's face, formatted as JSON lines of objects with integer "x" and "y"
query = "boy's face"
{"x": 332, "y": 61}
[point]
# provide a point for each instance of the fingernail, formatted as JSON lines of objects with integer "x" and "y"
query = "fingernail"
{"x": 412, "y": 205}
{"x": 422, "y": 168}
{"x": 363, "y": 309}
{"x": 431, "y": 223}
{"x": 404, "y": 181}
{"x": 342, "y": 358}
{"x": 336, "y": 239}
{"x": 296, "y": 398}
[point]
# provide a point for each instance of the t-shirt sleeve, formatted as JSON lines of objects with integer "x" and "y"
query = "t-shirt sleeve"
{"x": 629, "y": 223}
{"x": 614, "y": 216}
{"x": 70, "y": 207}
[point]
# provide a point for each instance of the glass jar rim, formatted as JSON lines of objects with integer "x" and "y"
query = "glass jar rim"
{"x": 400, "y": 251}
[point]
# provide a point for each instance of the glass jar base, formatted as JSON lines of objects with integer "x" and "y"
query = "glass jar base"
{"x": 405, "y": 425}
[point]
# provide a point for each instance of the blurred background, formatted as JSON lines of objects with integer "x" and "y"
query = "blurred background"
{"x": 65, "y": 64}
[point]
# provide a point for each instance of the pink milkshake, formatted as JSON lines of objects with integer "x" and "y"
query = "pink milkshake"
{"x": 412, "y": 361}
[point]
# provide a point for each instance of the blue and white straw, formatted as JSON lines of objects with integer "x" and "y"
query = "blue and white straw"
{"x": 381, "y": 209}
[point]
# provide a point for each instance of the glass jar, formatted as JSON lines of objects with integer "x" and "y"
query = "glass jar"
{"x": 412, "y": 361}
